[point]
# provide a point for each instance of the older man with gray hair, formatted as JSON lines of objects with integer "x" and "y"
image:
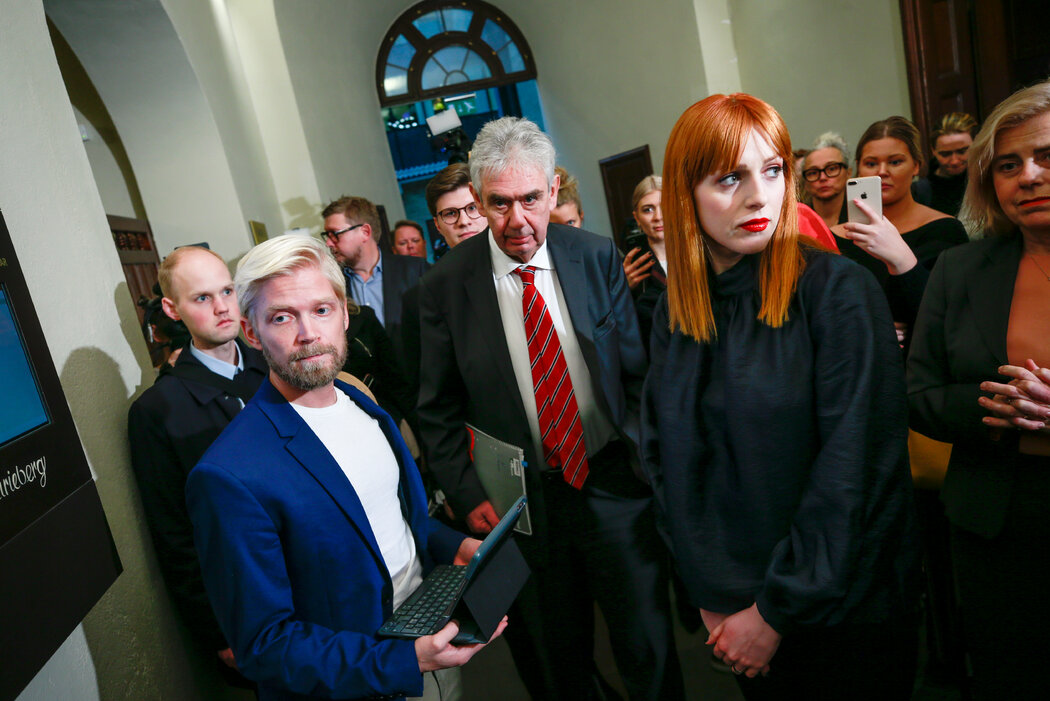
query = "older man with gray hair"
{"x": 532, "y": 338}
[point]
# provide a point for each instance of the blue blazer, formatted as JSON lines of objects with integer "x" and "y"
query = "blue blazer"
{"x": 290, "y": 562}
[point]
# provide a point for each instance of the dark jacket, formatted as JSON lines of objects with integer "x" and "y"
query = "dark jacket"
{"x": 778, "y": 456}
{"x": 468, "y": 375}
{"x": 646, "y": 295}
{"x": 370, "y": 358}
{"x": 169, "y": 428}
{"x": 399, "y": 274}
{"x": 959, "y": 342}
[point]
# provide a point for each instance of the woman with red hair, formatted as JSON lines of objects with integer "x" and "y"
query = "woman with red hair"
{"x": 775, "y": 425}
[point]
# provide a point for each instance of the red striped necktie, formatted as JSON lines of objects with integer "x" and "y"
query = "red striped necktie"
{"x": 559, "y": 416}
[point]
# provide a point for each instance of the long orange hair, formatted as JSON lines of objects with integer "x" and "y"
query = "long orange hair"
{"x": 708, "y": 138}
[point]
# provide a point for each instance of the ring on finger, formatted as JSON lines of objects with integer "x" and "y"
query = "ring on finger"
{"x": 735, "y": 670}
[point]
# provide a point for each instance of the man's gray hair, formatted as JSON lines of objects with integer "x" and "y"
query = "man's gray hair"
{"x": 830, "y": 139}
{"x": 510, "y": 143}
{"x": 283, "y": 256}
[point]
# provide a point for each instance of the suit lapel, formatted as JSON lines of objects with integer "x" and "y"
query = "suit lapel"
{"x": 991, "y": 293}
{"x": 312, "y": 456}
{"x": 568, "y": 263}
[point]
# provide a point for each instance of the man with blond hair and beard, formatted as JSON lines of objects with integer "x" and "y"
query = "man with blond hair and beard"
{"x": 309, "y": 514}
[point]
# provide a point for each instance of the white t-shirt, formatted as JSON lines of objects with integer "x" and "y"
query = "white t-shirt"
{"x": 361, "y": 449}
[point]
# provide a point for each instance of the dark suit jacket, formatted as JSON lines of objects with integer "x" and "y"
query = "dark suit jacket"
{"x": 399, "y": 274}
{"x": 960, "y": 341}
{"x": 413, "y": 352}
{"x": 468, "y": 376}
{"x": 291, "y": 564}
{"x": 370, "y": 358}
{"x": 169, "y": 428}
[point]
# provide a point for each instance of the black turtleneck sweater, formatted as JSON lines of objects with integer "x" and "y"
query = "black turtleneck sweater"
{"x": 778, "y": 456}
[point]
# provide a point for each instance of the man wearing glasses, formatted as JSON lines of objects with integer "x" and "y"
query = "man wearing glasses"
{"x": 374, "y": 278}
{"x": 455, "y": 215}
{"x": 825, "y": 171}
{"x": 457, "y": 218}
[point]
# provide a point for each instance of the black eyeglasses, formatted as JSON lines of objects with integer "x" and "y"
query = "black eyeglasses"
{"x": 831, "y": 170}
{"x": 334, "y": 235}
{"x": 451, "y": 215}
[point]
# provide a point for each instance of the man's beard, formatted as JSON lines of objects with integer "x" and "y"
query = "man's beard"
{"x": 314, "y": 375}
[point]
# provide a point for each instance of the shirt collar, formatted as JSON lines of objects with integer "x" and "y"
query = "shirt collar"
{"x": 503, "y": 265}
{"x": 377, "y": 272}
{"x": 219, "y": 367}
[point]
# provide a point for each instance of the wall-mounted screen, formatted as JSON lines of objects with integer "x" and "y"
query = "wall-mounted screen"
{"x": 22, "y": 408}
{"x": 57, "y": 556}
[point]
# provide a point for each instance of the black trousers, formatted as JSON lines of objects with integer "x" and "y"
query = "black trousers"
{"x": 855, "y": 662}
{"x": 603, "y": 548}
{"x": 1004, "y": 593}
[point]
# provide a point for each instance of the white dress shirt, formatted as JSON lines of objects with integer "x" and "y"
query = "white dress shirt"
{"x": 219, "y": 367}
{"x": 597, "y": 430}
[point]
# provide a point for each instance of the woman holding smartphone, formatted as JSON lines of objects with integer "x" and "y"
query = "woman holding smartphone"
{"x": 901, "y": 246}
{"x": 775, "y": 425}
{"x": 647, "y": 272}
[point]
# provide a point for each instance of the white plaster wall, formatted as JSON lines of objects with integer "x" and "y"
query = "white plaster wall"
{"x": 204, "y": 32}
{"x": 253, "y": 29}
{"x": 721, "y": 66}
{"x": 139, "y": 67}
{"x": 613, "y": 75}
{"x": 129, "y": 646}
{"x": 605, "y": 86}
{"x": 824, "y": 65}
{"x": 331, "y": 48}
{"x": 112, "y": 188}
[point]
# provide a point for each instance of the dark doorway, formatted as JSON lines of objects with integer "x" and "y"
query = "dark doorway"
{"x": 969, "y": 55}
{"x": 621, "y": 173}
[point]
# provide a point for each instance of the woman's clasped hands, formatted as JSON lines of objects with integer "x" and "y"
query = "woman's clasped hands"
{"x": 1023, "y": 402}
{"x": 742, "y": 640}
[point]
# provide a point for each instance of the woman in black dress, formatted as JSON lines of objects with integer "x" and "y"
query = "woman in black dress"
{"x": 775, "y": 425}
{"x": 901, "y": 246}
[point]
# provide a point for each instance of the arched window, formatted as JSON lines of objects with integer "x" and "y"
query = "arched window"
{"x": 438, "y": 44}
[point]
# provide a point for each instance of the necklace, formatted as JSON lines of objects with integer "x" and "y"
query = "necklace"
{"x": 1040, "y": 267}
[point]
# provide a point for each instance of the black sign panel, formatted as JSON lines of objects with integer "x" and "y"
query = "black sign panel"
{"x": 56, "y": 552}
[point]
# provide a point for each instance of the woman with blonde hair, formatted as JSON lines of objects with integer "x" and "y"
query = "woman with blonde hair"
{"x": 646, "y": 270}
{"x": 950, "y": 142}
{"x": 977, "y": 378}
{"x": 775, "y": 425}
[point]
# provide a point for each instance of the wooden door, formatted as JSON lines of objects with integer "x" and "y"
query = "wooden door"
{"x": 621, "y": 173}
{"x": 939, "y": 53}
{"x": 969, "y": 55}
{"x": 138, "y": 257}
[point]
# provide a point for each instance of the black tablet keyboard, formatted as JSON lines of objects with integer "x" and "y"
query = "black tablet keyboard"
{"x": 430, "y": 607}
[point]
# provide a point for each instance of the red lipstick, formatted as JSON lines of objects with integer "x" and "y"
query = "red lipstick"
{"x": 1035, "y": 202}
{"x": 755, "y": 225}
